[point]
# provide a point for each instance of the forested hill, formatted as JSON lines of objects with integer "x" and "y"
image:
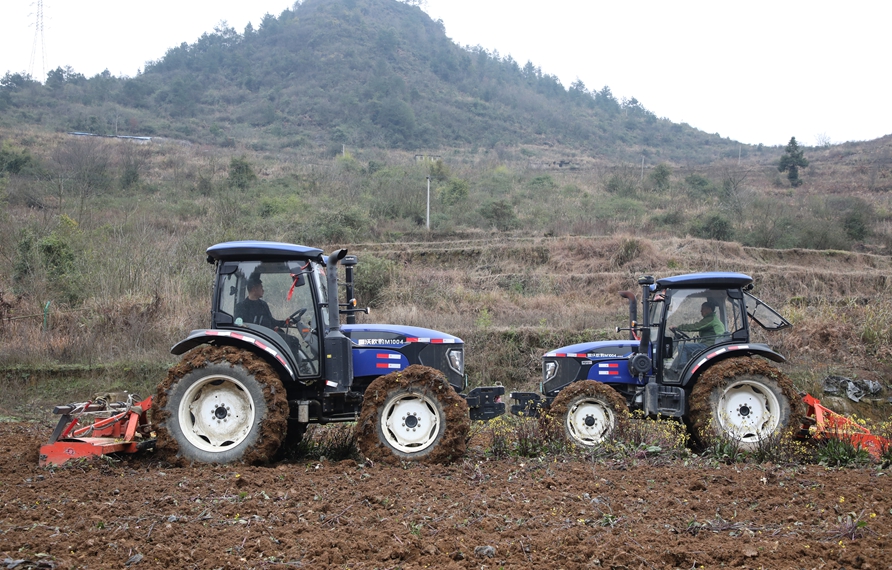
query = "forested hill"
{"x": 358, "y": 72}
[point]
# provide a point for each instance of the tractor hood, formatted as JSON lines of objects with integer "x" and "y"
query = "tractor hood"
{"x": 602, "y": 361}
{"x": 395, "y": 335}
{"x": 601, "y": 349}
{"x": 381, "y": 348}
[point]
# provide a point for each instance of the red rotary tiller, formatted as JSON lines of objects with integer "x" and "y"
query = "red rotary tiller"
{"x": 824, "y": 423}
{"x": 98, "y": 427}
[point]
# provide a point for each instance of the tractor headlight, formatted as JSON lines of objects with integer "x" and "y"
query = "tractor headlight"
{"x": 456, "y": 359}
{"x": 549, "y": 369}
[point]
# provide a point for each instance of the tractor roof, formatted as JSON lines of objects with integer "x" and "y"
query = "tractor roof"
{"x": 710, "y": 280}
{"x": 261, "y": 250}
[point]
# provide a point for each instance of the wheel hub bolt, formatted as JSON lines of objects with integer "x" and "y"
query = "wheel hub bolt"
{"x": 589, "y": 421}
{"x": 410, "y": 421}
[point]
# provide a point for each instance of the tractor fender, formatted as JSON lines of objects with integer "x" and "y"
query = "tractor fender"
{"x": 234, "y": 338}
{"x": 725, "y": 351}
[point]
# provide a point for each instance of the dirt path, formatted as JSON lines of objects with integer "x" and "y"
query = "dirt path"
{"x": 139, "y": 513}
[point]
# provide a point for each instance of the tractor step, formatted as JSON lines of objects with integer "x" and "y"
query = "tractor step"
{"x": 664, "y": 400}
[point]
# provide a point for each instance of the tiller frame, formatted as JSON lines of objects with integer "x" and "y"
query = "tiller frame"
{"x": 115, "y": 427}
{"x": 824, "y": 423}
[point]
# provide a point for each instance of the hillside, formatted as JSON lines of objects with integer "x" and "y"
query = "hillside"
{"x": 535, "y": 224}
{"x": 361, "y": 73}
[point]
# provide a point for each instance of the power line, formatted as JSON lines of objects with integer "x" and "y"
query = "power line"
{"x": 38, "y": 35}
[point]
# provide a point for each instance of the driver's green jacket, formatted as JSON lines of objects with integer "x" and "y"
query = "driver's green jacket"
{"x": 709, "y": 327}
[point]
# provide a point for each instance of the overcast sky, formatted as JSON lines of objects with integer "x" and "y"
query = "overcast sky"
{"x": 757, "y": 72}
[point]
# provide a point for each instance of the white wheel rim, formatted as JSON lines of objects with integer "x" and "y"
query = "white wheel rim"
{"x": 589, "y": 422}
{"x": 748, "y": 411}
{"x": 410, "y": 422}
{"x": 216, "y": 413}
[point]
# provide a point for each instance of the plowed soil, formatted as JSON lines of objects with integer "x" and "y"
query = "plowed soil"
{"x": 140, "y": 512}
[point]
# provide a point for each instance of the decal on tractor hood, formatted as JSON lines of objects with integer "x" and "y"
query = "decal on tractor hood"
{"x": 379, "y": 341}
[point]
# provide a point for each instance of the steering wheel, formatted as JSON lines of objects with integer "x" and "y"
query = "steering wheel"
{"x": 296, "y": 315}
{"x": 681, "y": 334}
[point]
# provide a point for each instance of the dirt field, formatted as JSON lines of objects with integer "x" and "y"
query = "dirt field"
{"x": 143, "y": 513}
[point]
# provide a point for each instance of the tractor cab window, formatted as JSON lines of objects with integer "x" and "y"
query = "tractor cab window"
{"x": 695, "y": 320}
{"x": 275, "y": 298}
{"x": 763, "y": 315}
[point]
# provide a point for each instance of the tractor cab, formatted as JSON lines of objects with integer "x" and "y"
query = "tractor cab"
{"x": 278, "y": 300}
{"x": 700, "y": 315}
{"x": 275, "y": 297}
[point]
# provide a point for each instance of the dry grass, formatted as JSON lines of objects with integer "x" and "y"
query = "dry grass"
{"x": 138, "y": 282}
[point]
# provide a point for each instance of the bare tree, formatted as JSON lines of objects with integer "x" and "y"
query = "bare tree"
{"x": 734, "y": 187}
{"x": 823, "y": 140}
{"x": 81, "y": 170}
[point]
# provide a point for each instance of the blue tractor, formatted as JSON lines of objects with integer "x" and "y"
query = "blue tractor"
{"x": 691, "y": 358}
{"x": 276, "y": 358}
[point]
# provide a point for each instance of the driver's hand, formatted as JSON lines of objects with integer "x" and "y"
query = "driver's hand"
{"x": 672, "y": 328}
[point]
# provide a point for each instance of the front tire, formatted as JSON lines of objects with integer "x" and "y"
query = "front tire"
{"x": 588, "y": 412}
{"x": 413, "y": 415}
{"x": 221, "y": 405}
{"x": 743, "y": 399}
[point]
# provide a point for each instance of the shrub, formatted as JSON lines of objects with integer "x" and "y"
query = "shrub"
{"x": 500, "y": 213}
{"x": 542, "y": 182}
{"x": 241, "y": 173}
{"x": 372, "y": 276}
{"x": 699, "y": 186}
{"x": 660, "y": 177}
{"x": 455, "y": 192}
{"x": 621, "y": 186}
{"x": 713, "y": 226}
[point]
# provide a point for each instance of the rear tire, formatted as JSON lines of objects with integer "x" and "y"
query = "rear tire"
{"x": 221, "y": 405}
{"x": 743, "y": 399}
{"x": 413, "y": 415}
{"x": 588, "y": 412}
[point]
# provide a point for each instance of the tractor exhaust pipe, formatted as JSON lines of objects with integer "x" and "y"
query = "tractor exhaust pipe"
{"x": 338, "y": 348}
{"x": 633, "y": 311}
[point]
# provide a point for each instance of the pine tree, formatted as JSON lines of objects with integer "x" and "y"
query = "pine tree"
{"x": 792, "y": 160}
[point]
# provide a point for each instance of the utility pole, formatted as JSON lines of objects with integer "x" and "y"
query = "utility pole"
{"x": 428, "y": 203}
{"x": 38, "y": 36}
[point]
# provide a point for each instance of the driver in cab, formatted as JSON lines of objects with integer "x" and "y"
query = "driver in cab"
{"x": 253, "y": 309}
{"x": 709, "y": 328}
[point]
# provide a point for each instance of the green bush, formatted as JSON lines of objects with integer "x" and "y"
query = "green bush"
{"x": 455, "y": 192}
{"x": 712, "y": 226}
{"x": 542, "y": 182}
{"x": 241, "y": 173}
{"x": 660, "y": 177}
{"x": 500, "y": 213}
{"x": 620, "y": 185}
{"x": 372, "y": 276}
{"x": 699, "y": 187}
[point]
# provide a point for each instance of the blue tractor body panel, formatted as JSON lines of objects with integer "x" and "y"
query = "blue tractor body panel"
{"x": 383, "y": 348}
{"x": 603, "y": 361}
